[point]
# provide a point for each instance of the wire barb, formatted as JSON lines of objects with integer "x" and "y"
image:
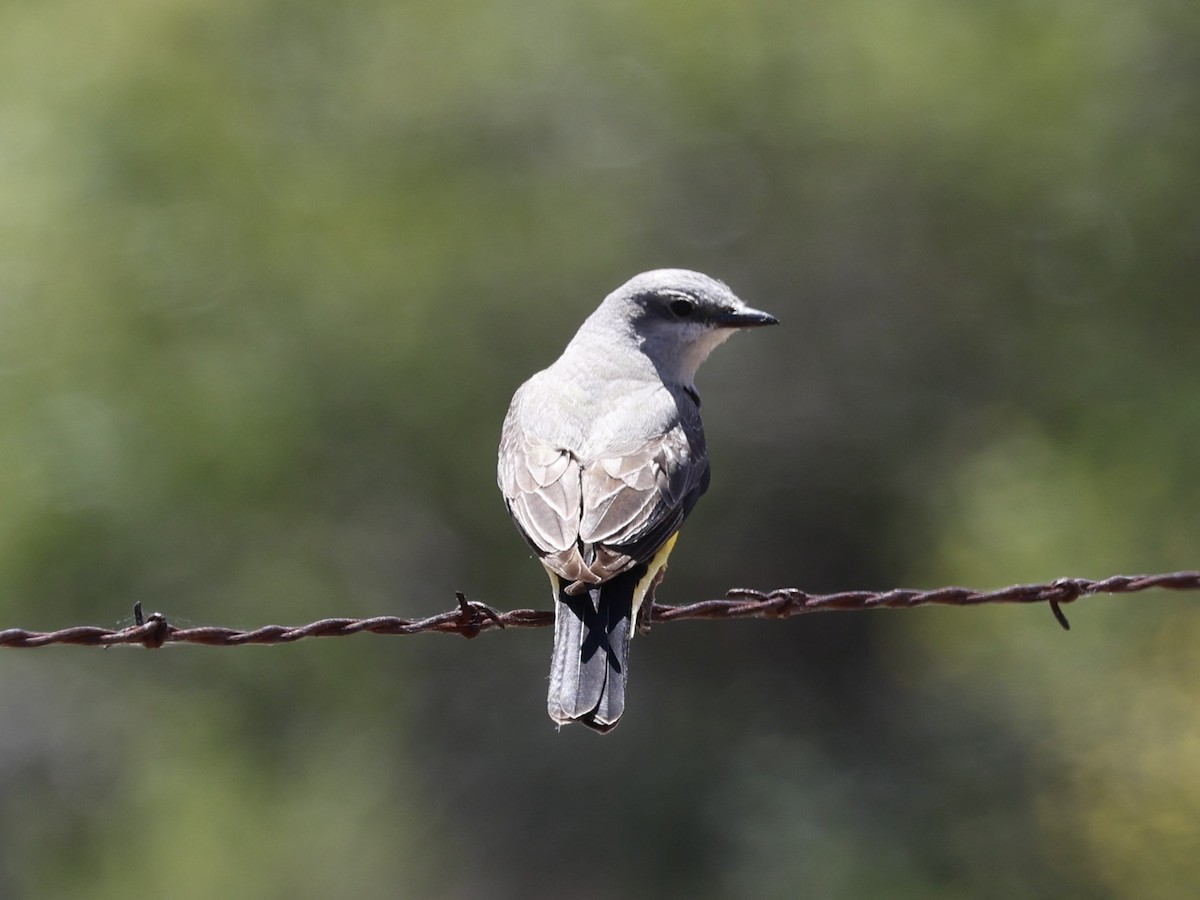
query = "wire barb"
{"x": 474, "y": 614}
{"x": 472, "y": 618}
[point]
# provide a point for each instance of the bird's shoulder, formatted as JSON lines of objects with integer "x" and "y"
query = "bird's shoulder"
{"x": 588, "y": 416}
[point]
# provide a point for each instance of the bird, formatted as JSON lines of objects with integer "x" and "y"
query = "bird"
{"x": 602, "y": 458}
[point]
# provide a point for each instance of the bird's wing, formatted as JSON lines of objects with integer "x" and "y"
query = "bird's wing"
{"x": 637, "y": 497}
{"x": 591, "y": 522}
{"x": 541, "y": 484}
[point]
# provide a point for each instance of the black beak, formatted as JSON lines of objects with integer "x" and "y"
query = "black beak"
{"x": 745, "y": 318}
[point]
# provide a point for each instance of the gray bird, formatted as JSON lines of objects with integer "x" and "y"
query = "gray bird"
{"x": 601, "y": 459}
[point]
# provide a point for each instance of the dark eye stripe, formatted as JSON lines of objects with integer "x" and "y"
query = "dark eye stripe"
{"x": 682, "y": 308}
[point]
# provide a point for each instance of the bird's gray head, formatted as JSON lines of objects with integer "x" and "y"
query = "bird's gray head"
{"x": 677, "y": 318}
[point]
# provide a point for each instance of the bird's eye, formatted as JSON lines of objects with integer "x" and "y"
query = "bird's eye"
{"x": 682, "y": 308}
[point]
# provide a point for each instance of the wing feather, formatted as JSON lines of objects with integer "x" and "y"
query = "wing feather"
{"x": 590, "y": 521}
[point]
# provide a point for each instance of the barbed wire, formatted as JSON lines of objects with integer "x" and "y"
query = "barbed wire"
{"x": 472, "y": 618}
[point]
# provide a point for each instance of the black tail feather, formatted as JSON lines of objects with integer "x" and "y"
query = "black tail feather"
{"x": 591, "y": 653}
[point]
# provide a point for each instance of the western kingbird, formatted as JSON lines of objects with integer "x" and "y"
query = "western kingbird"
{"x": 602, "y": 458}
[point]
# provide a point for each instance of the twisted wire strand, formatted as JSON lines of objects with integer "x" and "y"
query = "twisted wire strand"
{"x": 472, "y": 618}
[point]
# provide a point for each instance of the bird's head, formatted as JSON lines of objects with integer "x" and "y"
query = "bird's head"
{"x": 678, "y": 317}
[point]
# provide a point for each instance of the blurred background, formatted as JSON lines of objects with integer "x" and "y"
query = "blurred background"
{"x": 269, "y": 275}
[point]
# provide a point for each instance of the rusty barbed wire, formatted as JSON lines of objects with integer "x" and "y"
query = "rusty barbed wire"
{"x": 472, "y": 618}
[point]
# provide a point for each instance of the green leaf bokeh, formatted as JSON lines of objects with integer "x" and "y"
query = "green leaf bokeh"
{"x": 269, "y": 274}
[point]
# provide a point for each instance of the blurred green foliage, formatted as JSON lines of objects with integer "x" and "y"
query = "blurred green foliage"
{"x": 269, "y": 273}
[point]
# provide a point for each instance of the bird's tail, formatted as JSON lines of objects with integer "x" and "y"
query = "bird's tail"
{"x": 591, "y": 651}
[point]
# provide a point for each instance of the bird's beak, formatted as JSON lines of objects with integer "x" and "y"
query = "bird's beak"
{"x": 745, "y": 318}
